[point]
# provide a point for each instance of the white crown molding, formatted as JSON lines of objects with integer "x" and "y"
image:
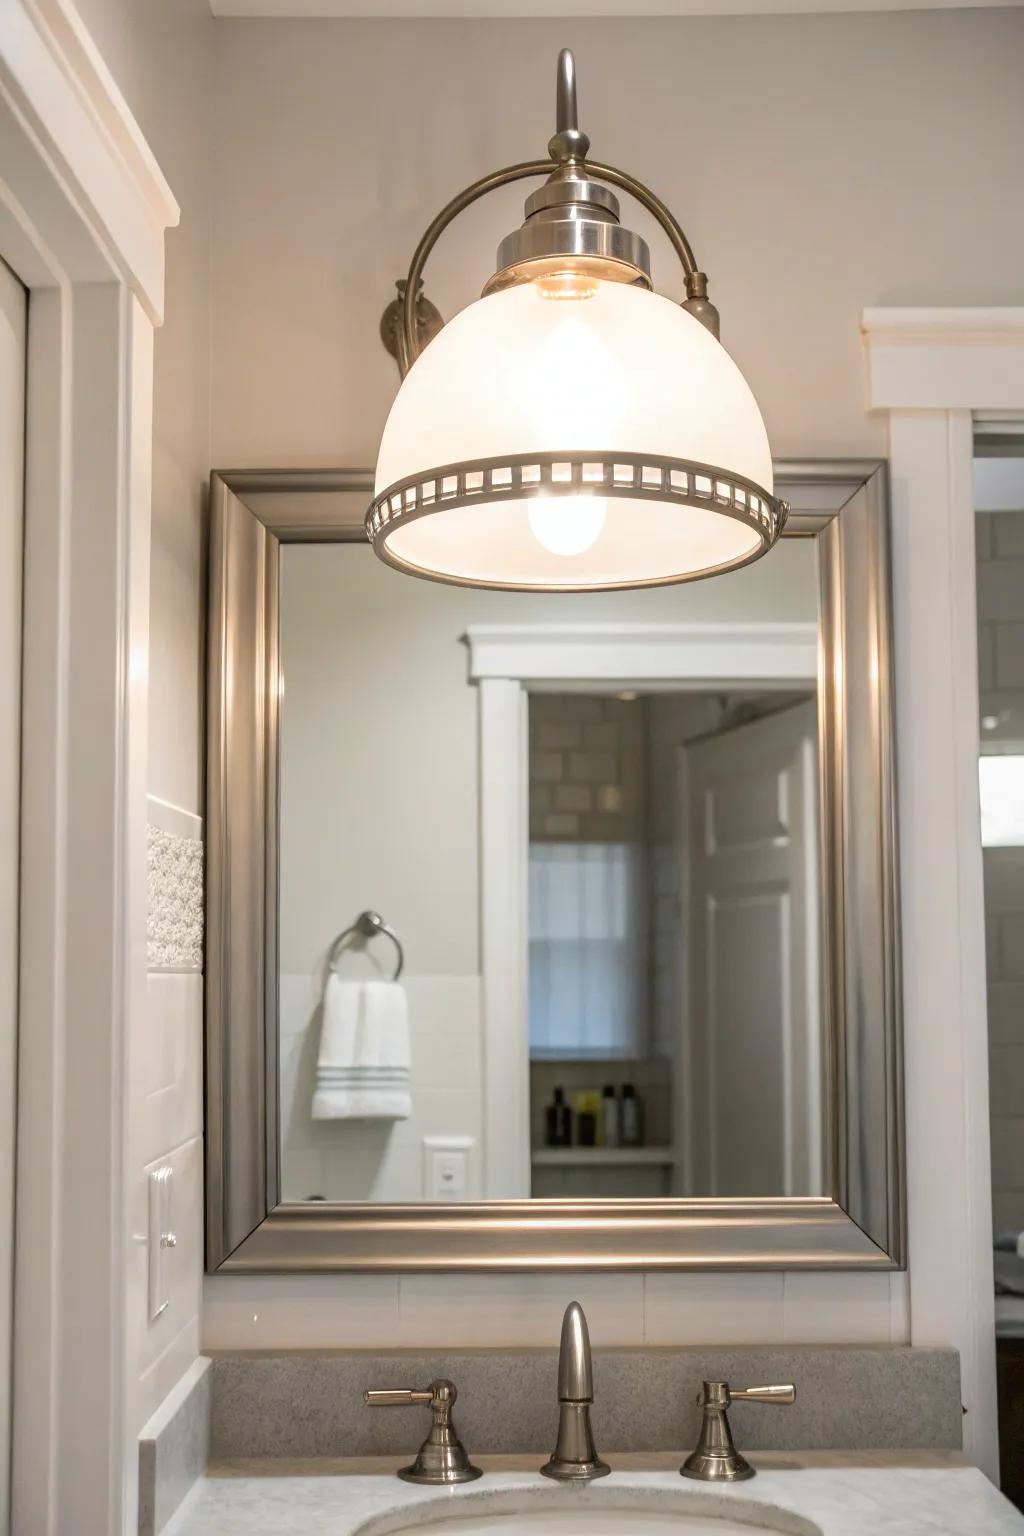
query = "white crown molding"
{"x": 944, "y": 359}
{"x": 58, "y": 91}
{"x": 963, "y": 325}
{"x": 770, "y": 654}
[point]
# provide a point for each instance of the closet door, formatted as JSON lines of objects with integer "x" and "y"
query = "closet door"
{"x": 13, "y": 313}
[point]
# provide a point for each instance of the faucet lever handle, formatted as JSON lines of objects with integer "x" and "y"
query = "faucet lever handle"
{"x": 442, "y": 1457}
{"x": 780, "y": 1393}
{"x": 716, "y": 1458}
{"x": 399, "y": 1397}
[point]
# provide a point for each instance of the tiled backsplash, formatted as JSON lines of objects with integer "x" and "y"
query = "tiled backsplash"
{"x": 340, "y": 1159}
{"x": 167, "y": 1100}
{"x": 174, "y": 914}
{"x": 453, "y": 1311}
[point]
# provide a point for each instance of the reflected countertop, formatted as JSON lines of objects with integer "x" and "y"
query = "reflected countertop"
{"x": 915, "y": 1493}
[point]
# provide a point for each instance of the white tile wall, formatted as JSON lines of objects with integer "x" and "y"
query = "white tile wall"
{"x": 516, "y": 1309}
{"x": 365, "y": 1312}
{"x": 167, "y": 1120}
{"x": 166, "y": 1344}
{"x": 340, "y": 1159}
{"x": 170, "y": 1067}
{"x": 699, "y": 1309}
{"x": 300, "y": 1312}
{"x": 839, "y": 1309}
{"x": 586, "y": 755}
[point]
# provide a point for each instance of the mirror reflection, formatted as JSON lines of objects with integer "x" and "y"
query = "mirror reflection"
{"x": 671, "y": 1028}
{"x": 673, "y": 965}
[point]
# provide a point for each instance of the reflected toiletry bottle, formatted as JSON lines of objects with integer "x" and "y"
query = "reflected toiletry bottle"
{"x": 631, "y": 1117}
{"x": 586, "y": 1120}
{"x": 559, "y": 1121}
{"x": 610, "y": 1116}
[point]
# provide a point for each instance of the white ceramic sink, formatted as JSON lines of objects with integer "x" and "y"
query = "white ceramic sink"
{"x": 604, "y": 1522}
{"x": 577, "y": 1512}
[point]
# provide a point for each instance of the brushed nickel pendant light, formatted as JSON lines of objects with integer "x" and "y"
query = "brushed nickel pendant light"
{"x": 571, "y": 430}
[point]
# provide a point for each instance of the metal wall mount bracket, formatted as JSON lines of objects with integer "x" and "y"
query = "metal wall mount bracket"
{"x": 573, "y": 218}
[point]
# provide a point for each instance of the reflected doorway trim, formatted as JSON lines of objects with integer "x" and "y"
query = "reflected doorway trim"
{"x": 508, "y": 662}
{"x": 843, "y": 506}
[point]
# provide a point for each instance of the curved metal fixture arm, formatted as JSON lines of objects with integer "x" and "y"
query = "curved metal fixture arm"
{"x": 408, "y": 341}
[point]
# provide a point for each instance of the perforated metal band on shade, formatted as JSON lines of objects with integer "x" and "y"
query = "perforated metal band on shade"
{"x": 675, "y": 492}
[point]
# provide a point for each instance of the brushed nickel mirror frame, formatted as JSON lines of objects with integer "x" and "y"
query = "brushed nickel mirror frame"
{"x": 841, "y": 504}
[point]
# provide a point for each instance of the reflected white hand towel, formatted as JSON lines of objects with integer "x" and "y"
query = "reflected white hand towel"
{"x": 363, "y": 1070}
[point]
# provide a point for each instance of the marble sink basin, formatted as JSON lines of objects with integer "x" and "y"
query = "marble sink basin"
{"x": 583, "y": 1512}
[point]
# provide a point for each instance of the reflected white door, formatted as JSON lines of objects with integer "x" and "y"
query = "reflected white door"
{"x": 13, "y": 312}
{"x": 751, "y": 1098}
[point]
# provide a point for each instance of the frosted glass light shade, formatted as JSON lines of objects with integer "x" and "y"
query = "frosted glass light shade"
{"x": 621, "y": 396}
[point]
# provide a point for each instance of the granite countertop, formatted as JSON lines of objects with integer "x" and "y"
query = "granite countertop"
{"x": 917, "y": 1493}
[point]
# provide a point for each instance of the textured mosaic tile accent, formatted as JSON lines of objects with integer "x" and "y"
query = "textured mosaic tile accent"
{"x": 174, "y": 922}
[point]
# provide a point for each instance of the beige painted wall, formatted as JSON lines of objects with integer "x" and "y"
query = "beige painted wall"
{"x": 819, "y": 164}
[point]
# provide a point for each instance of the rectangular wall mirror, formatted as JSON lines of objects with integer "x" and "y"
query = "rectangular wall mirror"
{"x": 550, "y": 930}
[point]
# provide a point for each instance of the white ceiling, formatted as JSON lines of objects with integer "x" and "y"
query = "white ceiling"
{"x": 557, "y": 8}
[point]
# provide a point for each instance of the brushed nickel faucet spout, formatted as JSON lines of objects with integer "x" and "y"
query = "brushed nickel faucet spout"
{"x": 575, "y": 1458}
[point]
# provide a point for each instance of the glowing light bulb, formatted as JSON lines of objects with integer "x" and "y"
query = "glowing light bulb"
{"x": 567, "y": 525}
{"x": 567, "y": 285}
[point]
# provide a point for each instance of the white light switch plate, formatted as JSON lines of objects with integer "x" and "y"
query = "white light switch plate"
{"x": 161, "y": 1240}
{"x": 446, "y": 1167}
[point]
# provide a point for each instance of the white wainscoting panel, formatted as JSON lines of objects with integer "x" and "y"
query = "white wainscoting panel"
{"x": 167, "y": 1075}
{"x": 169, "y": 1066}
{"x": 164, "y": 1354}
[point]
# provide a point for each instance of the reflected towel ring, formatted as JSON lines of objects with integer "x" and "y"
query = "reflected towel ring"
{"x": 367, "y": 925}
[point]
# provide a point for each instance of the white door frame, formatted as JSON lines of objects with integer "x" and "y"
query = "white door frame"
{"x": 83, "y": 210}
{"x": 13, "y": 347}
{"x": 506, "y": 661}
{"x": 932, "y": 370}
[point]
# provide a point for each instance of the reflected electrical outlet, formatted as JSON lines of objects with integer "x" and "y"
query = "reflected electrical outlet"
{"x": 446, "y": 1167}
